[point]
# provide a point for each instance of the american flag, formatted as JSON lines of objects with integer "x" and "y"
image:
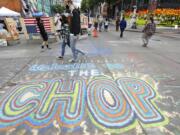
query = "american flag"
{"x": 32, "y": 27}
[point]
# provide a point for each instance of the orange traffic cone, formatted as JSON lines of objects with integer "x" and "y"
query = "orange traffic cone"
{"x": 94, "y": 33}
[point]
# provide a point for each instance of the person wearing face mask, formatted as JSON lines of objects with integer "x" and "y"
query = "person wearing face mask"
{"x": 74, "y": 31}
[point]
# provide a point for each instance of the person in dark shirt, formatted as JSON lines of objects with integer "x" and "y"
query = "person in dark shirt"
{"x": 71, "y": 36}
{"x": 76, "y": 22}
{"x": 123, "y": 25}
{"x": 43, "y": 33}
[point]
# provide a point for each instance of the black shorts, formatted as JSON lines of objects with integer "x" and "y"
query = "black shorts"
{"x": 106, "y": 26}
{"x": 44, "y": 36}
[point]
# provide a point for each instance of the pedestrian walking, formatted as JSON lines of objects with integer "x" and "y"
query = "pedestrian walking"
{"x": 58, "y": 24}
{"x": 117, "y": 23}
{"x": 123, "y": 25}
{"x": 96, "y": 24}
{"x": 71, "y": 34}
{"x": 148, "y": 31}
{"x": 43, "y": 33}
{"x": 106, "y": 25}
{"x": 100, "y": 23}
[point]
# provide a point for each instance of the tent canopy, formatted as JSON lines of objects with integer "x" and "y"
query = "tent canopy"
{"x": 7, "y": 12}
{"x": 38, "y": 14}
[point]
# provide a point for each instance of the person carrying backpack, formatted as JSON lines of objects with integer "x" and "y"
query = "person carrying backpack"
{"x": 148, "y": 31}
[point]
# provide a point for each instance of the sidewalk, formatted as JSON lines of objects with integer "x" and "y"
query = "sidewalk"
{"x": 43, "y": 95}
{"x": 159, "y": 30}
{"x": 165, "y": 31}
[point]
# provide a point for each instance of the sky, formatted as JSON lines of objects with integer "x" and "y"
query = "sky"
{"x": 77, "y": 2}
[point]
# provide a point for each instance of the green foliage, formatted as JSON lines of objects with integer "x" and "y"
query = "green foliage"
{"x": 90, "y": 4}
{"x": 84, "y": 5}
{"x": 58, "y": 8}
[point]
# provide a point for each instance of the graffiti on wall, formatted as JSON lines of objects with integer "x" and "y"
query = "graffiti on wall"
{"x": 111, "y": 105}
{"x": 44, "y": 6}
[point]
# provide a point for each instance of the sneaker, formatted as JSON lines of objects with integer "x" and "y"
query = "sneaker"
{"x": 72, "y": 61}
{"x": 144, "y": 45}
{"x": 48, "y": 47}
{"x": 42, "y": 49}
{"x": 60, "y": 57}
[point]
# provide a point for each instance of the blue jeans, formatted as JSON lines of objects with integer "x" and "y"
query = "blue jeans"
{"x": 72, "y": 44}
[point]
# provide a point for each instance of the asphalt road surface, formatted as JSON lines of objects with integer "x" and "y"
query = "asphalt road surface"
{"x": 118, "y": 87}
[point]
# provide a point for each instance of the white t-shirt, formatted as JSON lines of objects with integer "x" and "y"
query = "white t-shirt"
{"x": 106, "y": 23}
{"x": 57, "y": 23}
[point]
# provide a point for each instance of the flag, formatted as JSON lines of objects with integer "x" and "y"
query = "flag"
{"x": 32, "y": 27}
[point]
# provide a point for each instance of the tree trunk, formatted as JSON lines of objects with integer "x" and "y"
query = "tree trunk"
{"x": 109, "y": 9}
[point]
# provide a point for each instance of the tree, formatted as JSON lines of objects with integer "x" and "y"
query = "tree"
{"x": 58, "y": 8}
{"x": 84, "y": 5}
{"x": 90, "y": 4}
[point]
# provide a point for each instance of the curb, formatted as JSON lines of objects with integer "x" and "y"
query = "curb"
{"x": 160, "y": 32}
{"x": 177, "y": 36}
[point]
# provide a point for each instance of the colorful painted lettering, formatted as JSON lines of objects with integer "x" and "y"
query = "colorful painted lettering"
{"x": 111, "y": 105}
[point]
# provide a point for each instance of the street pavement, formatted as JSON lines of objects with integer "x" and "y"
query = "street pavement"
{"x": 118, "y": 87}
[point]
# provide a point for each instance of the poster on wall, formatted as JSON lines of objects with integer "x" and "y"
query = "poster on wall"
{"x": 11, "y": 26}
{"x": 45, "y": 8}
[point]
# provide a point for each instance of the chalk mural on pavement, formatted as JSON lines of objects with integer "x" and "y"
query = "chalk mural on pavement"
{"x": 113, "y": 105}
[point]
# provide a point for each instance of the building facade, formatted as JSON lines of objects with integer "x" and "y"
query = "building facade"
{"x": 31, "y": 6}
{"x": 122, "y": 5}
{"x": 14, "y": 5}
